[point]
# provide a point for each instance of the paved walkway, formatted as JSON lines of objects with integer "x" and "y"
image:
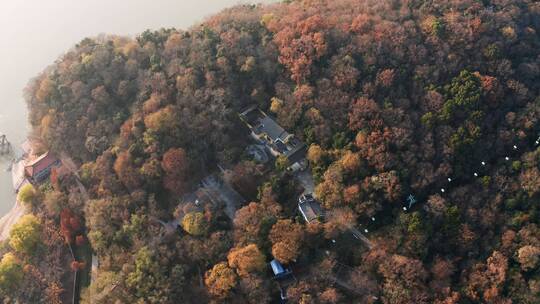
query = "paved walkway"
{"x": 17, "y": 174}
{"x": 358, "y": 235}
{"x": 217, "y": 191}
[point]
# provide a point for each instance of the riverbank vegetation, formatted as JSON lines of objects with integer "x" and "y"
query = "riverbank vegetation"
{"x": 392, "y": 97}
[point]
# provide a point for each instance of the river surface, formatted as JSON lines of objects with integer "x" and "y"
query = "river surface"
{"x": 12, "y": 124}
{"x": 36, "y": 32}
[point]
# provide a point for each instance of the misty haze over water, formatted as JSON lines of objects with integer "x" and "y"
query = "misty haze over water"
{"x": 37, "y": 32}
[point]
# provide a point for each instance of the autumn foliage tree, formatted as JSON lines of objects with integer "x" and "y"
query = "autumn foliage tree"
{"x": 301, "y": 44}
{"x": 125, "y": 170}
{"x": 391, "y": 98}
{"x": 25, "y": 235}
{"x": 195, "y": 223}
{"x": 27, "y": 194}
{"x": 247, "y": 259}
{"x": 11, "y": 273}
{"x": 287, "y": 239}
{"x": 253, "y": 222}
{"x": 70, "y": 225}
{"x": 78, "y": 265}
{"x": 220, "y": 280}
{"x": 176, "y": 167}
{"x": 528, "y": 257}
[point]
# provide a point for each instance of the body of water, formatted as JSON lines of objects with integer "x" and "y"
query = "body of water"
{"x": 36, "y": 32}
{"x": 13, "y": 125}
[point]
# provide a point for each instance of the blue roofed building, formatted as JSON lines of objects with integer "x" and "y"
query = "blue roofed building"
{"x": 278, "y": 269}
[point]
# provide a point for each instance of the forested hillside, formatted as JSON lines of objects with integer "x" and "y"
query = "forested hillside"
{"x": 438, "y": 99}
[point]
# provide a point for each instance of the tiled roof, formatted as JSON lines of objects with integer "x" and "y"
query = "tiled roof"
{"x": 39, "y": 164}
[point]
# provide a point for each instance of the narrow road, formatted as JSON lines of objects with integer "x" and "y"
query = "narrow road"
{"x": 305, "y": 178}
{"x": 95, "y": 264}
{"x": 358, "y": 235}
{"x": 70, "y": 165}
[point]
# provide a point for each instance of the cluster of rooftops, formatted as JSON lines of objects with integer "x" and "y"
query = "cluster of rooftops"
{"x": 311, "y": 211}
{"x": 278, "y": 142}
{"x": 265, "y": 130}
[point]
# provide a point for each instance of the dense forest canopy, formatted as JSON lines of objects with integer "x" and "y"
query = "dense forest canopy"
{"x": 439, "y": 99}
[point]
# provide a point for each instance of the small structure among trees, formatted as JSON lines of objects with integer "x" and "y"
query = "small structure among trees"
{"x": 278, "y": 269}
{"x": 40, "y": 168}
{"x": 309, "y": 208}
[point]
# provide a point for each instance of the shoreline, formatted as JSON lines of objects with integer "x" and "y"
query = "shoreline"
{"x": 18, "y": 210}
{"x": 10, "y": 218}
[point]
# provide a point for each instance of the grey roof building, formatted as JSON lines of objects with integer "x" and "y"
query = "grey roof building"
{"x": 267, "y": 131}
{"x": 309, "y": 208}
